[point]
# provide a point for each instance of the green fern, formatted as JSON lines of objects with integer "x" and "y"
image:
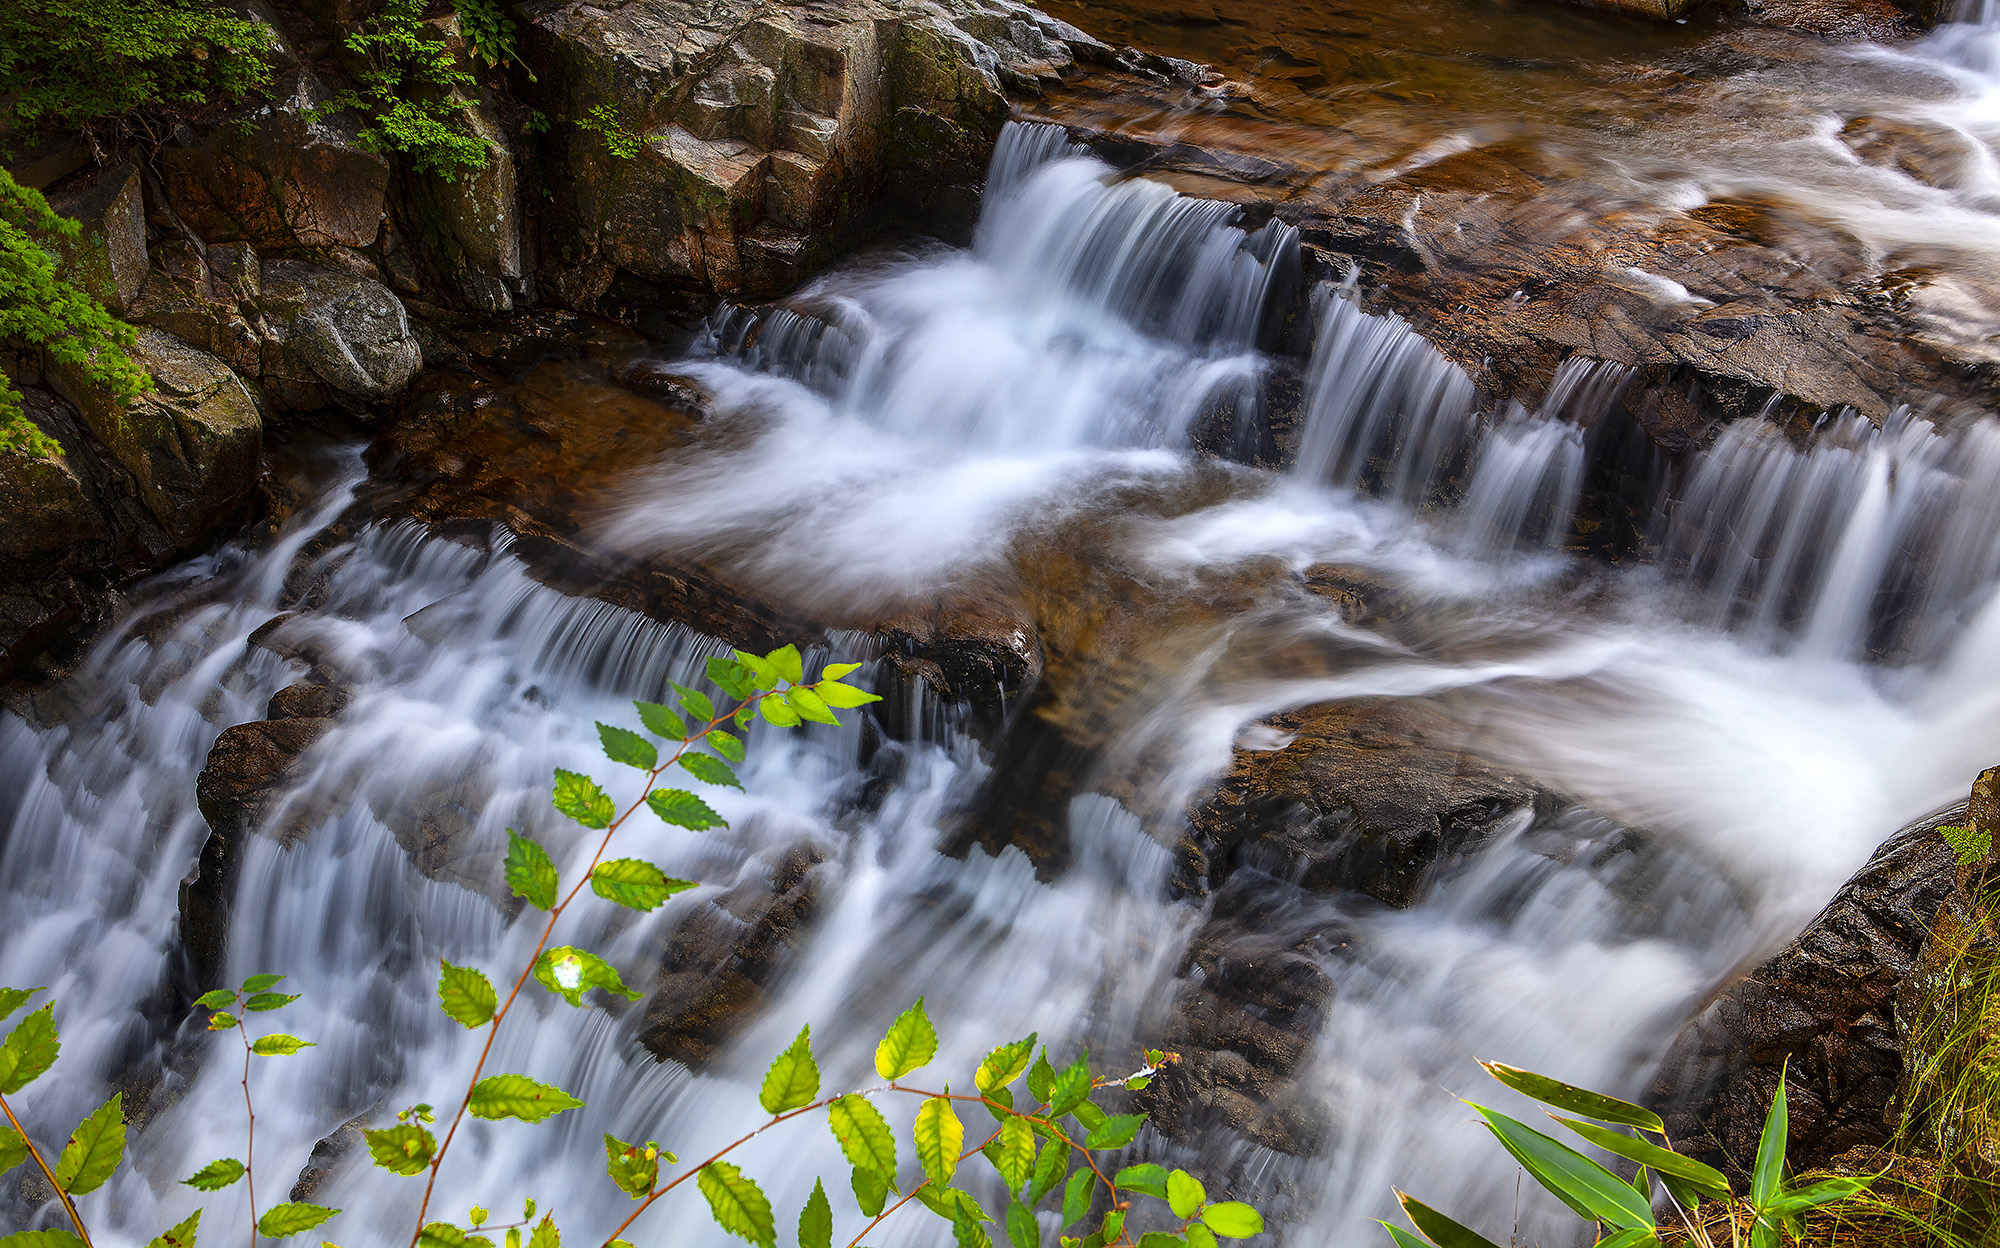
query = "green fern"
{"x": 1970, "y": 844}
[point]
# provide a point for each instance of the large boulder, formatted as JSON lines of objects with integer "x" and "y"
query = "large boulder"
{"x": 1826, "y": 1008}
{"x": 280, "y": 175}
{"x": 729, "y": 148}
{"x": 191, "y": 446}
{"x": 332, "y": 336}
{"x": 108, "y": 258}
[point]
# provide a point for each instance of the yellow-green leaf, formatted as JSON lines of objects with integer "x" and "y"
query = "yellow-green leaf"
{"x": 843, "y": 697}
{"x": 1005, "y": 1064}
{"x": 280, "y": 1221}
{"x": 216, "y": 1175}
{"x": 517, "y": 1096}
{"x": 793, "y": 1080}
{"x": 635, "y": 1168}
{"x": 1233, "y": 1219}
{"x": 29, "y": 1050}
{"x": 809, "y": 705}
{"x": 710, "y": 770}
{"x": 278, "y": 1045}
{"x": 662, "y": 722}
{"x": 579, "y": 797}
{"x": 695, "y": 702}
{"x": 635, "y": 883}
{"x": 684, "y": 810}
{"x": 466, "y": 995}
{"x": 788, "y": 663}
{"x": 864, "y": 1135}
{"x": 530, "y": 872}
{"x": 570, "y": 972}
{"x": 181, "y": 1236}
{"x": 1184, "y": 1194}
{"x": 405, "y": 1148}
{"x": 910, "y": 1043}
{"x": 940, "y": 1137}
{"x": 1012, "y": 1152}
{"x": 95, "y": 1148}
{"x": 739, "y": 1205}
{"x": 816, "y": 1220}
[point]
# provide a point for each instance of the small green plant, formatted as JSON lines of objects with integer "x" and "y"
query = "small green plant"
{"x": 40, "y": 307}
{"x": 1622, "y": 1211}
{"x": 1970, "y": 844}
{"x": 486, "y": 23}
{"x": 74, "y": 63}
{"x": 409, "y": 92}
{"x": 603, "y": 121}
{"x": 1050, "y": 1134}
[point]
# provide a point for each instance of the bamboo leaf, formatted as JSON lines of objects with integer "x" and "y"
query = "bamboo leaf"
{"x": 793, "y": 1080}
{"x": 1402, "y": 1237}
{"x": 1661, "y": 1160}
{"x": 1637, "y": 1237}
{"x": 1576, "y": 1180}
{"x": 1822, "y": 1193}
{"x": 1574, "y": 1099}
{"x": 1441, "y": 1230}
{"x": 1767, "y": 1177}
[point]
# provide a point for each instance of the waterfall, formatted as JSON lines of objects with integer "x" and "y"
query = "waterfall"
{"x": 1010, "y": 424}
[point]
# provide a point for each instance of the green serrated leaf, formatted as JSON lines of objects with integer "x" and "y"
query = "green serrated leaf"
{"x": 732, "y": 677}
{"x": 1232, "y": 1219}
{"x": 762, "y": 673}
{"x": 695, "y": 703}
{"x": 215, "y": 1176}
{"x": 1160, "y": 1239}
{"x": 864, "y": 1135}
{"x": 834, "y": 671}
{"x": 1089, "y": 1116}
{"x": 1144, "y": 1178}
{"x": 940, "y": 1137}
{"x": 95, "y": 1148}
{"x": 1022, "y": 1229}
{"x": 810, "y": 706}
{"x": 843, "y": 697}
{"x": 1012, "y": 1152}
{"x": 793, "y": 1080}
{"x": 788, "y": 663}
{"x": 998, "y": 1102}
{"x": 29, "y": 1050}
{"x": 517, "y": 1096}
{"x": 1049, "y": 1170}
{"x": 950, "y": 1203}
{"x": 778, "y": 713}
{"x": 1071, "y": 1087}
{"x": 280, "y": 1221}
{"x": 816, "y": 1220}
{"x": 684, "y": 810}
{"x": 1574, "y": 1099}
{"x": 181, "y": 1236}
{"x": 466, "y": 995}
{"x": 262, "y": 983}
{"x": 871, "y": 1191}
{"x": 13, "y": 1149}
{"x": 1076, "y": 1197}
{"x": 728, "y": 746}
{"x": 579, "y": 797}
{"x": 635, "y": 1168}
{"x": 441, "y": 1235}
{"x": 710, "y": 770}
{"x": 1115, "y": 1132}
{"x": 546, "y": 1235}
{"x": 1968, "y": 845}
{"x": 1041, "y": 1077}
{"x": 405, "y": 1148}
{"x": 1184, "y": 1194}
{"x": 1004, "y": 1065}
{"x": 570, "y": 972}
{"x": 221, "y": 1022}
{"x": 635, "y": 883}
{"x": 1440, "y": 1229}
{"x": 265, "y": 1002}
{"x": 910, "y": 1043}
{"x": 51, "y": 1238}
{"x": 622, "y": 745}
{"x": 278, "y": 1045}
{"x": 739, "y": 1205}
{"x": 531, "y": 874}
{"x": 661, "y": 721}
{"x": 216, "y": 999}
{"x": 1199, "y": 1236}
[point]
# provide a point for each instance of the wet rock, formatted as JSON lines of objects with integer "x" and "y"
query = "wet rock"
{"x": 733, "y": 148}
{"x": 277, "y": 176}
{"x": 333, "y": 334}
{"x": 469, "y": 226}
{"x": 190, "y": 446}
{"x": 1364, "y": 796}
{"x": 43, "y": 506}
{"x": 715, "y": 964}
{"x": 327, "y": 1156}
{"x": 658, "y": 380}
{"x": 109, "y": 257}
{"x": 1932, "y": 154}
{"x": 245, "y": 773}
{"x": 1827, "y": 1004}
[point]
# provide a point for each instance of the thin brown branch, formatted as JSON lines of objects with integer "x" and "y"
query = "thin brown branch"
{"x": 69, "y": 1206}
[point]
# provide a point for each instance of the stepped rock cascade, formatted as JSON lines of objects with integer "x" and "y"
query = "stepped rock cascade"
{"x": 1011, "y": 423}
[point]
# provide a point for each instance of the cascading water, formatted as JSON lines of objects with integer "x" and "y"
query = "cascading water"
{"x": 924, "y": 423}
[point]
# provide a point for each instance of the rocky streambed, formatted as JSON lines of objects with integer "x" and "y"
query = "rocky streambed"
{"x": 1393, "y": 545}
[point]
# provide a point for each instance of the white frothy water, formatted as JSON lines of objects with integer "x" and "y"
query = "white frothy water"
{"x": 894, "y": 431}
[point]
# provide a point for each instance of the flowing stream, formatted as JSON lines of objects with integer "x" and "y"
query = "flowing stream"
{"x": 1811, "y": 658}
